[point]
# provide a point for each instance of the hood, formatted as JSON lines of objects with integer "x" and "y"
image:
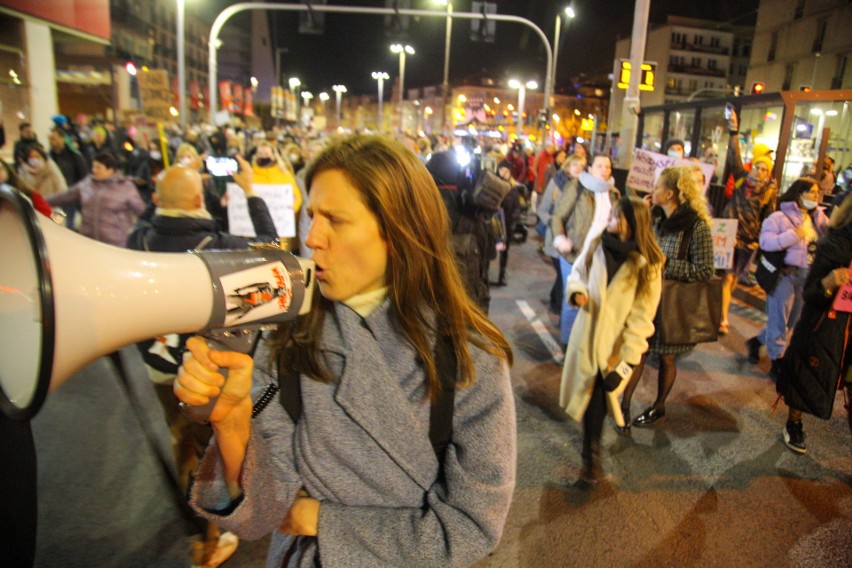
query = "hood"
{"x": 592, "y": 183}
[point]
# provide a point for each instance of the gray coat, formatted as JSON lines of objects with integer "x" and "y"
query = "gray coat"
{"x": 574, "y": 212}
{"x": 362, "y": 448}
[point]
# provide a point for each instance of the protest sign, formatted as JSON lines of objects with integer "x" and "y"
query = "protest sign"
{"x": 156, "y": 94}
{"x": 279, "y": 201}
{"x": 724, "y": 234}
{"x": 843, "y": 299}
{"x": 647, "y": 166}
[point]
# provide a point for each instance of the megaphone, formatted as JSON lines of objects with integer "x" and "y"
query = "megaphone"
{"x": 66, "y": 300}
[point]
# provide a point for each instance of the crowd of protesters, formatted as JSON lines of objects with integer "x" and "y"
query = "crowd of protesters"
{"x": 603, "y": 242}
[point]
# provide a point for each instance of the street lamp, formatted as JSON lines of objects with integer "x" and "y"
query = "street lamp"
{"x": 445, "y": 87}
{"x": 558, "y": 39}
{"x": 401, "y": 50}
{"x": 338, "y": 94}
{"x": 294, "y": 83}
{"x": 380, "y": 76}
{"x": 181, "y": 61}
{"x": 522, "y": 94}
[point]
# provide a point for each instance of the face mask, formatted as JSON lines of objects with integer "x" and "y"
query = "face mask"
{"x": 675, "y": 154}
{"x": 36, "y": 163}
{"x": 156, "y": 156}
{"x": 264, "y": 162}
{"x": 185, "y": 161}
{"x": 612, "y": 224}
{"x": 809, "y": 205}
{"x": 294, "y": 158}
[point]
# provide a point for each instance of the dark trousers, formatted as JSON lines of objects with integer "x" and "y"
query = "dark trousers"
{"x": 17, "y": 494}
{"x": 593, "y": 421}
{"x": 504, "y": 258}
{"x": 557, "y": 293}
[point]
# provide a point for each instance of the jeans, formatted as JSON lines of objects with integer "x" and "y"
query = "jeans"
{"x": 783, "y": 307}
{"x": 568, "y": 313}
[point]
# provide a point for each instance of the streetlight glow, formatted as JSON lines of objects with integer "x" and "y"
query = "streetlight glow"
{"x": 294, "y": 82}
{"x": 323, "y": 96}
{"x": 569, "y": 11}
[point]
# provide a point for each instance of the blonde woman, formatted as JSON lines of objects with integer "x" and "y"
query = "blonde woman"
{"x": 680, "y": 213}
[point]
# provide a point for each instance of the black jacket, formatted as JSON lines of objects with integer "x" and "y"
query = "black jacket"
{"x": 819, "y": 353}
{"x": 72, "y": 165}
{"x": 180, "y": 234}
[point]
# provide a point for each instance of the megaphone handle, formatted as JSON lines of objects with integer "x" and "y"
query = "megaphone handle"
{"x": 242, "y": 341}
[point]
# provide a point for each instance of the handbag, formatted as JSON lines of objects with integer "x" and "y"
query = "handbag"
{"x": 690, "y": 312}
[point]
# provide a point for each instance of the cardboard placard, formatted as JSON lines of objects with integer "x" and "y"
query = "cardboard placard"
{"x": 156, "y": 94}
{"x": 843, "y": 299}
{"x": 647, "y": 166}
{"x": 724, "y": 233}
{"x": 279, "y": 200}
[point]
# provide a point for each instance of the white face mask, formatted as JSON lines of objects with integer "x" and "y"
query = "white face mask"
{"x": 36, "y": 163}
{"x": 675, "y": 154}
{"x": 809, "y": 205}
{"x": 185, "y": 161}
{"x": 294, "y": 158}
{"x": 612, "y": 224}
{"x": 156, "y": 156}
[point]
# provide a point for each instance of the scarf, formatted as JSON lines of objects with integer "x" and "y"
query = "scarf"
{"x": 616, "y": 253}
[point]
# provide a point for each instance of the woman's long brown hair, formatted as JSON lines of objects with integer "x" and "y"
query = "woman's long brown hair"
{"x": 422, "y": 277}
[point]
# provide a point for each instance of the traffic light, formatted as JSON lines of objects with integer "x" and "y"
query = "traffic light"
{"x": 805, "y": 89}
{"x": 757, "y": 88}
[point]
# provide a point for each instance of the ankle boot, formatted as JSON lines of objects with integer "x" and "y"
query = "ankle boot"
{"x": 592, "y": 472}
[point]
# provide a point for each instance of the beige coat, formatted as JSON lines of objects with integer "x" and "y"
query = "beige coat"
{"x": 612, "y": 327}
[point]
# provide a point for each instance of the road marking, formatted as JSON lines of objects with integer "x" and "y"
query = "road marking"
{"x": 540, "y": 329}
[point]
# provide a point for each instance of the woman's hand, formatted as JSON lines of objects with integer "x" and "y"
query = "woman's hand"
{"x": 302, "y": 518}
{"x": 199, "y": 380}
{"x": 579, "y": 299}
{"x": 835, "y": 279}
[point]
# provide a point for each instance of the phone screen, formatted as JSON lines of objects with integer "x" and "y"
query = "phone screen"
{"x": 221, "y": 167}
{"x": 729, "y": 108}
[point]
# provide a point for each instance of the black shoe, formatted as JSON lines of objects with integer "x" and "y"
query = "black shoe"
{"x": 775, "y": 369}
{"x": 753, "y": 349}
{"x": 624, "y": 430}
{"x": 649, "y": 417}
{"x": 794, "y": 437}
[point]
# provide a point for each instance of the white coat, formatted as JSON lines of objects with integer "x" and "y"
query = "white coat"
{"x": 613, "y": 327}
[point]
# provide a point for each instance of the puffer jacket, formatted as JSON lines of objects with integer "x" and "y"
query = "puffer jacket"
{"x": 779, "y": 233}
{"x": 108, "y": 206}
{"x": 819, "y": 353}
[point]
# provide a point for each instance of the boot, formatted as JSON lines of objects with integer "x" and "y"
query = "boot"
{"x": 592, "y": 472}
{"x": 501, "y": 280}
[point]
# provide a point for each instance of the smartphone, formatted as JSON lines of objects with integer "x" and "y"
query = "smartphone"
{"x": 729, "y": 110}
{"x": 221, "y": 167}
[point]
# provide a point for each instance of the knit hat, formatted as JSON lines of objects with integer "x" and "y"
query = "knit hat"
{"x": 671, "y": 142}
{"x": 761, "y": 149}
{"x": 505, "y": 164}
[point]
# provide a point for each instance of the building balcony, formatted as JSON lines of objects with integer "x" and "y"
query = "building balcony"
{"x": 692, "y": 70}
{"x": 683, "y": 46}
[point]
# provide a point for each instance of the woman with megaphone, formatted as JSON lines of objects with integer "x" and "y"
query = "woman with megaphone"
{"x": 342, "y": 467}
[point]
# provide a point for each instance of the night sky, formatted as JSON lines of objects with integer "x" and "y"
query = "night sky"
{"x": 353, "y": 46}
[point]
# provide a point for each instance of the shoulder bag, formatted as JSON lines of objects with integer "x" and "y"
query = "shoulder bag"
{"x": 690, "y": 312}
{"x": 769, "y": 265}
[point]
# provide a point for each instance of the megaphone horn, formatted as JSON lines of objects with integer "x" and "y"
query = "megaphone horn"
{"x": 66, "y": 300}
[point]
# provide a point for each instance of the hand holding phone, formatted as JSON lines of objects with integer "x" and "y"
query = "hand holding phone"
{"x": 221, "y": 167}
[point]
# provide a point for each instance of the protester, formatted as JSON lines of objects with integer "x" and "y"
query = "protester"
{"x": 354, "y": 481}
{"x": 567, "y": 176}
{"x": 28, "y": 139}
{"x": 581, "y": 212}
{"x": 11, "y": 179}
{"x": 615, "y": 284}
{"x": 818, "y": 355}
{"x": 510, "y": 210}
{"x": 754, "y": 199}
{"x": 270, "y": 168}
{"x": 107, "y": 200}
{"x": 41, "y": 173}
{"x": 680, "y": 213}
{"x": 794, "y": 228}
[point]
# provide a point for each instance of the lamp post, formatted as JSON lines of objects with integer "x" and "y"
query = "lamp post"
{"x": 380, "y": 76}
{"x": 294, "y": 82}
{"x": 323, "y": 97}
{"x": 338, "y": 95}
{"x": 307, "y": 96}
{"x": 558, "y": 39}
{"x": 522, "y": 94}
{"x": 445, "y": 87}
{"x": 181, "y": 61}
{"x": 402, "y": 50}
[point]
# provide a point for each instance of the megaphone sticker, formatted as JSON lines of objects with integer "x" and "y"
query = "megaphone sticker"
{"x": 257, "y": 293}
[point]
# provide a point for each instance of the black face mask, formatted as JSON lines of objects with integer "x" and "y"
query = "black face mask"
{"x": 264, "y": 162}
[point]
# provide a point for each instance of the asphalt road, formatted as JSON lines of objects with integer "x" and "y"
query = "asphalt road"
{"x": 713, "y": 486}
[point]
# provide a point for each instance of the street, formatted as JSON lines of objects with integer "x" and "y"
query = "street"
{"x": 712, "y": 486}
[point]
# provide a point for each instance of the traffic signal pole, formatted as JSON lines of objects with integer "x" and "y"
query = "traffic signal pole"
{"x": 631, "y": 107}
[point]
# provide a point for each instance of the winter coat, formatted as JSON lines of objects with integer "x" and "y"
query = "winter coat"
{"x": 274, "y": 175}
{"x": 180, "y": 234}
{"x": 819, "y": 353}
{"x": 47, "y": 181}
{"x": 71, "y": 163}
{"x": 612, "y": 327}
{"x": 778, "y": 233}
{"x": 575, "y": 211}
{"x": 362, "y": 447}
{"x": 549, "y": 199}
{"x": 108, "y": 207}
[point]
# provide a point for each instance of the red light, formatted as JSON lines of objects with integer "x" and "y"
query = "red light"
{"x": 757, "y": 88}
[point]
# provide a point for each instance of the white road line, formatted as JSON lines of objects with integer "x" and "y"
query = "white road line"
{"x": 540, "y": 329}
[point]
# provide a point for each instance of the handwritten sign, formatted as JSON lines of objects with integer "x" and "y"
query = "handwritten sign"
{"x": 843, "y": 299}
{"x": 724, "y": 234}
{"x": 279, "y": 201}
{"x": 156, "y": 94}
{"x": 647, "y": 166}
